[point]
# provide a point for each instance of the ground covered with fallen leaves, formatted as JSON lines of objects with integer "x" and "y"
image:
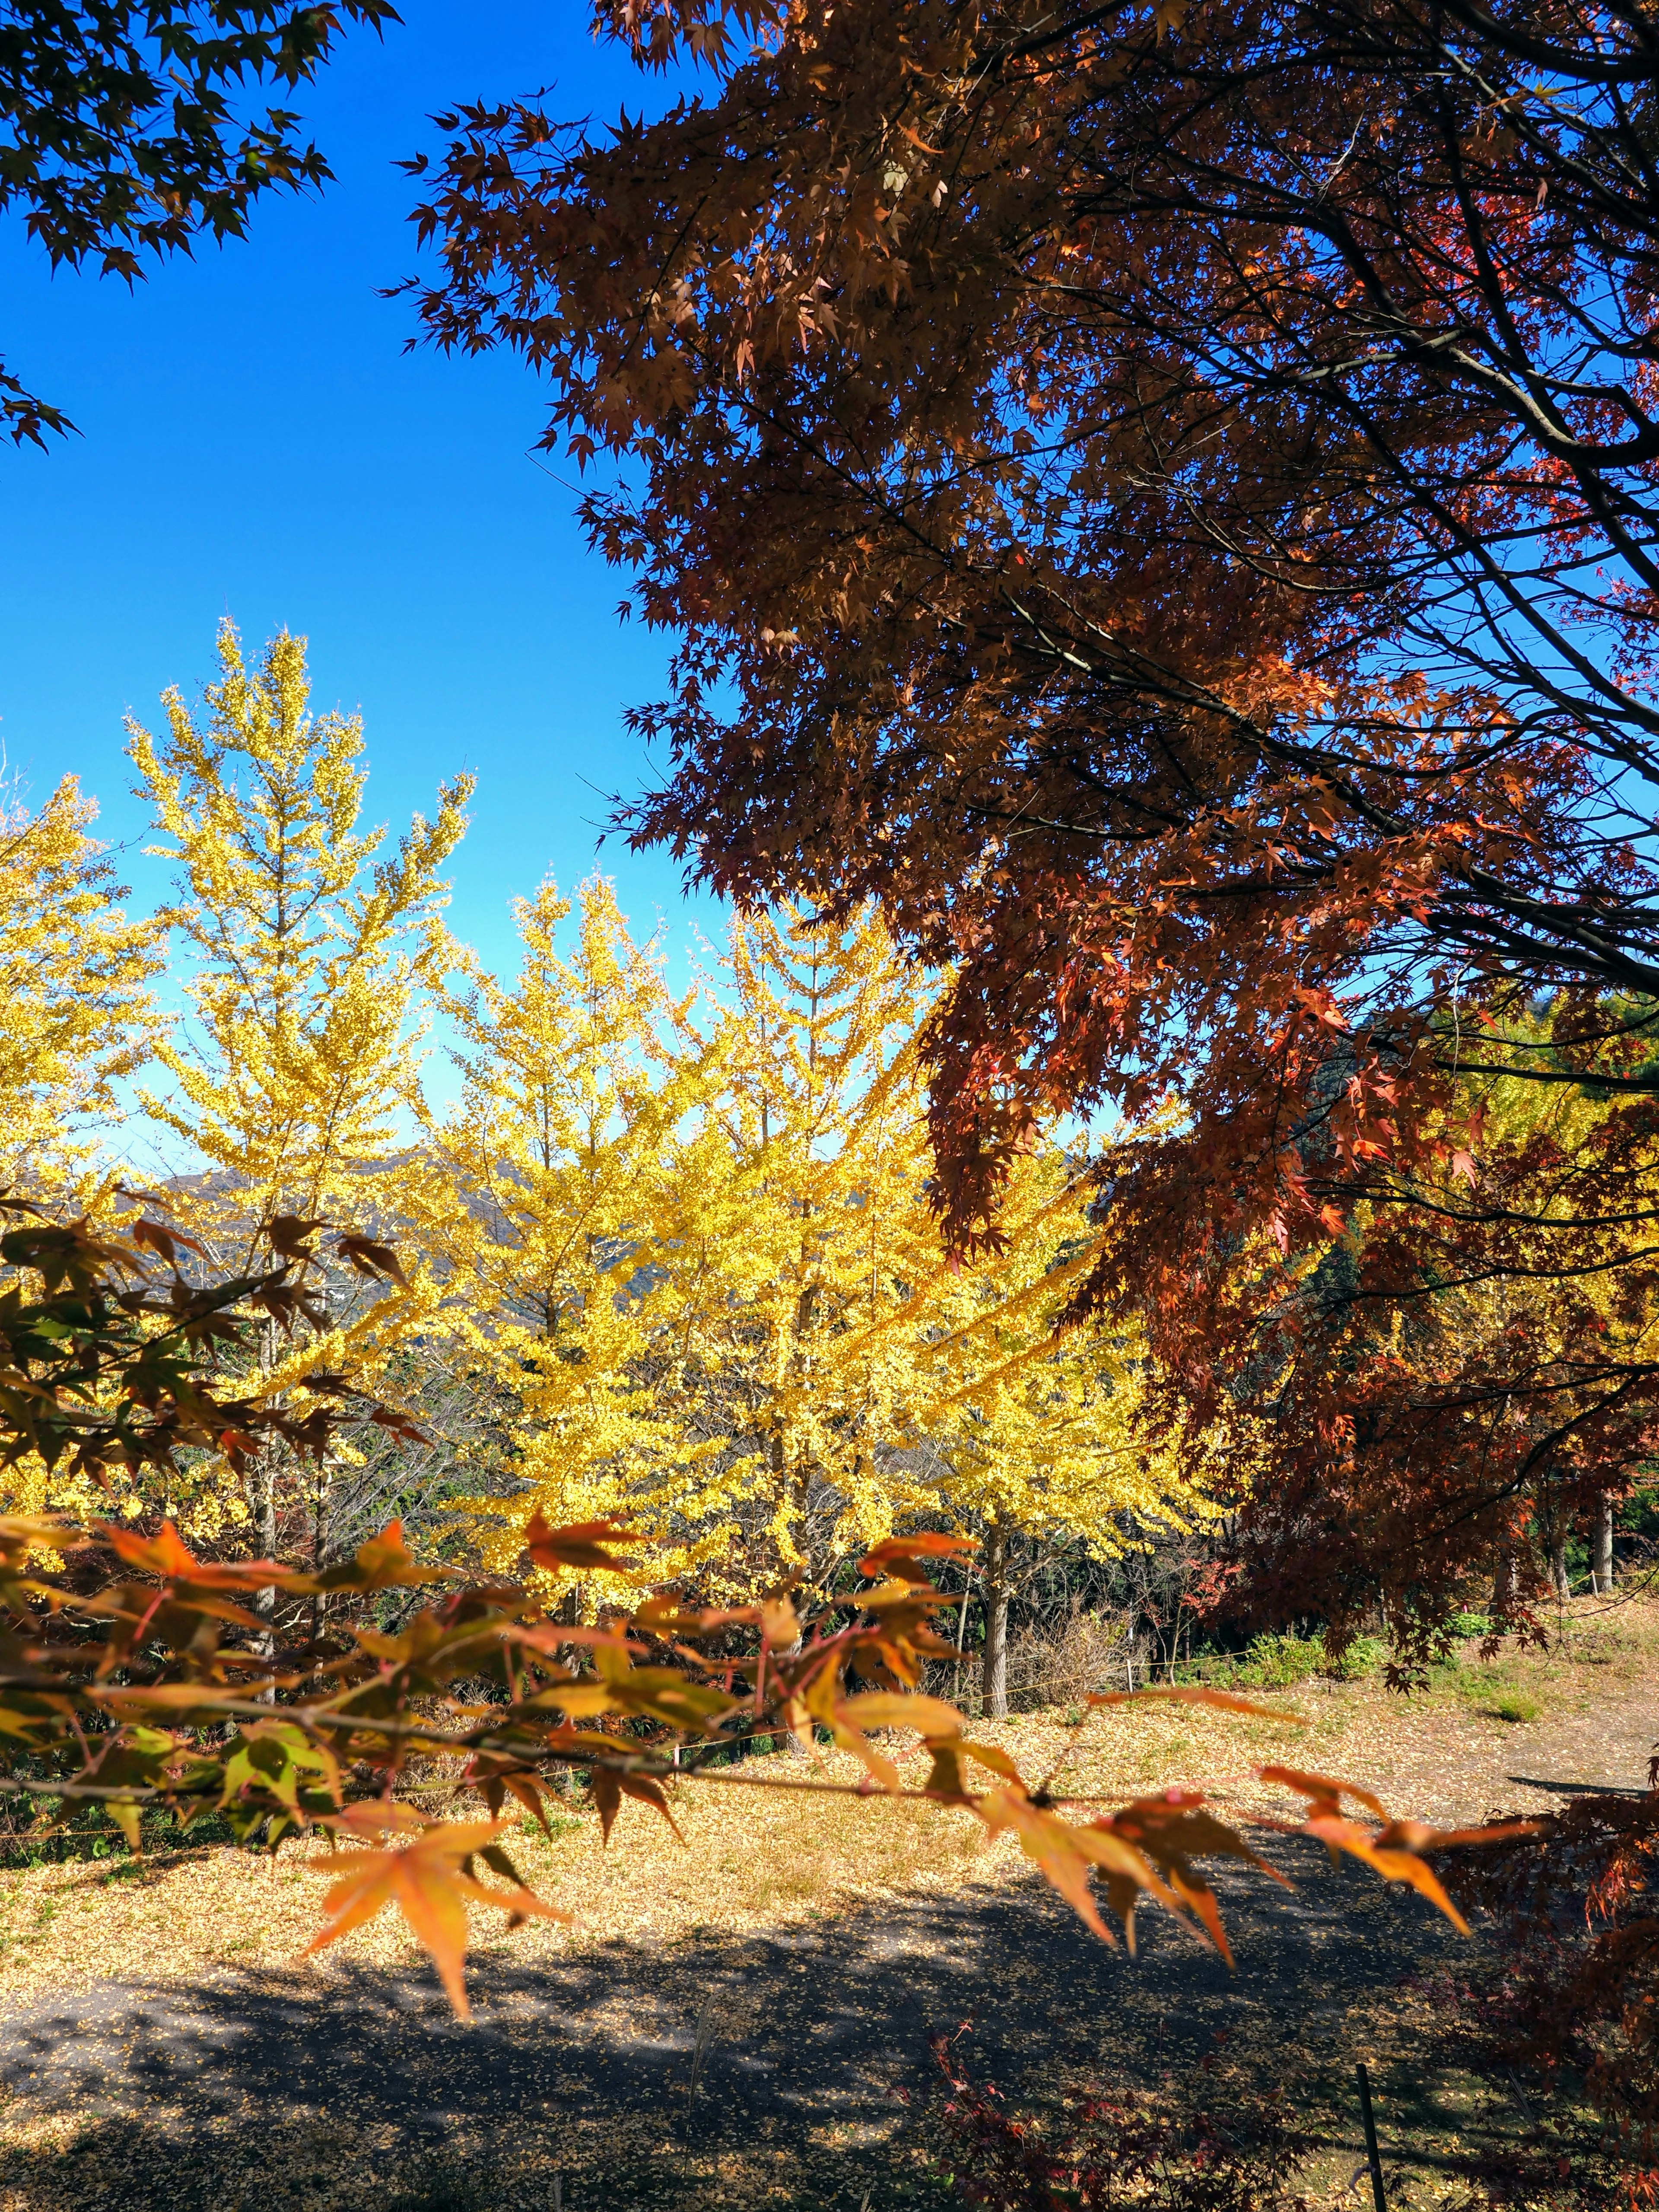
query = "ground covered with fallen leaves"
{"x": 161, "y": 2046}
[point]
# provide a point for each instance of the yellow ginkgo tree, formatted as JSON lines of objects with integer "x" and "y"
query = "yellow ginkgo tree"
{"x": 76, "y": 1012}
{"x": 1035, "y": 1424}
{"x": 694, "y": 1245}
{"x": 306, "y": 949}
{"x": 541, "y": 1200}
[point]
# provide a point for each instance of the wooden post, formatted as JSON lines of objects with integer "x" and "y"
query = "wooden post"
{"x": 1379, "y": 2202}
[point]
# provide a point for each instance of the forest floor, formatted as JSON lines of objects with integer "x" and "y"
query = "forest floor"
{"x": 161, "y": 2046}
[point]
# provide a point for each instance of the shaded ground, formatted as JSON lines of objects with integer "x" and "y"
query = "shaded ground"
{"x": 140, "y": 2069}
{"x": 324, "y": 2091}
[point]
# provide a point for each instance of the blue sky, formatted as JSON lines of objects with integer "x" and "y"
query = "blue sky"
{"x": 256, "y": 443}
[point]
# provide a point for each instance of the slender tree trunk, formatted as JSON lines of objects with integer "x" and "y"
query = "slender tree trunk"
{"x": 262, "y": 1505}
{"x": 993, "y": 1676}
{"x": 962, "y": 1630}
{"x": 1559, "y": 1563}
{"x": 1602, "y": 1576}
{"x": 1503, "y": 1585}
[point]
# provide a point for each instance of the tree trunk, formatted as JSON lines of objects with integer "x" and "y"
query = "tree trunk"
{"x": 1601, "y": 1576}
{"x": 993, "y": 1675}
{"x": 1503, "y": 1586}
{"x": 262, "y": 1504}
{"x": 1559, "y": 1580}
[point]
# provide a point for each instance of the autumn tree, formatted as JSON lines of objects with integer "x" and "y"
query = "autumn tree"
{"x": 694, "y": 1248}
{"x": 120, "y": 139}
{"x": 1160, "y": 501}
{"x": 1037, "y": 1427}
{"x": 541, "y": 1199}
{"x": 75, "y": 1013}
{"x": 305, "y": 949}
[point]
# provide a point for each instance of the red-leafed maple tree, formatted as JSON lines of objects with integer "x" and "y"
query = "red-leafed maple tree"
{"x": 1162, "y": 497}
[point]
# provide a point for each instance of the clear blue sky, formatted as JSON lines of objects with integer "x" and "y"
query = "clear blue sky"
{"x": 256, "y": 443}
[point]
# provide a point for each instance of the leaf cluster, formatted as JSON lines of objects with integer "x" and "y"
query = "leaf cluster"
{"x": 120, "y": 135}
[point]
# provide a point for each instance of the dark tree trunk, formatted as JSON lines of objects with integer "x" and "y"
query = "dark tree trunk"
{"x": 1503, "y": 1586}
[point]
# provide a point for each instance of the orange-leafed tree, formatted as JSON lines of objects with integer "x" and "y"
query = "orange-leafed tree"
{"x": 1163, "y": 500}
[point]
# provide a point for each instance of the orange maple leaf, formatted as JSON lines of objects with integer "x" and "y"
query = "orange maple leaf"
{"x": 427, "y": 1880}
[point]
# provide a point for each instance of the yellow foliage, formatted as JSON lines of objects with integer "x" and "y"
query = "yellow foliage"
{"x": 684, "y": 1248}
{"x": 75, "y": 1012}
{"x": 309, "y": 950}
{"x": 697, "y": 1251}
{"x": 541, "y": 1193}
{"x": 1038, "y": 1422}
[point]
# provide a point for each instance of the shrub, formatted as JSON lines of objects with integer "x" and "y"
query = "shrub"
{"x": 1469, "y": 1624}
{"x": 1114, "y": 2148}
{"x": 1060, "y": 1667}
{"x": 1279, "y": 1662}
{"x": 1364, "y": 1656}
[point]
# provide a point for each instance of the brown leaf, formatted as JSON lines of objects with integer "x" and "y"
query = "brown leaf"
{"x": 1339, "y": 1835}
{"x": 379, "y": 1262}
{"x": 581, "y": 1545}
{"x": 1324, "y": 1794}
{"x": 904, "y": 1555}
{"x": 610, "y": 1786}
{"x": 166, "y": 1241}
{"x": 1067, "y": 1855}
{"x": 286, "y": 1234}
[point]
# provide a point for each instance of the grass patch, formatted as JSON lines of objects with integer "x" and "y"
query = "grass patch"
{"x": 1286, "y": 1662}
{"x": 1513, "y": 1707}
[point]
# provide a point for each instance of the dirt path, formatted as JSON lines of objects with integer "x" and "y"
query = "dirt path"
{"x": 1450, "y": 1765}
{"x": 360, "y": 2083}
{"x": 179, "y": 2078}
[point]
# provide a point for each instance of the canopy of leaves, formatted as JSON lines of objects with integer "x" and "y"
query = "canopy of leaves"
{"x": 1162, "y": 498}
{"x": 120, "y": 134}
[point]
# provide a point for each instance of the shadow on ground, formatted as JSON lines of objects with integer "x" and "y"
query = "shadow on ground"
{"x": 321, "y": 2090}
